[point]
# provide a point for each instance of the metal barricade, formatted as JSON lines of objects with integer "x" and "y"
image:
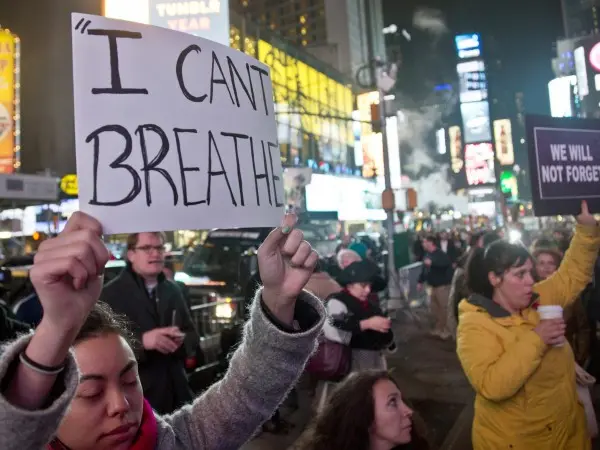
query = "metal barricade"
{"x": 211, "y": 320}
{"x": 408, "y": 277}
{"x": 411, "y": 301}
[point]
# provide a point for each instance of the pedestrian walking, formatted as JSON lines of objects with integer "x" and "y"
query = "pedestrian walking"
{"x": 437, "y": 273}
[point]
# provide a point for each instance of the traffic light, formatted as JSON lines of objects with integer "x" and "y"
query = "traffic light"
{"x": 411, "y": 199}
{"x": 375, "y": 118}
{"x": 388, "y": 202}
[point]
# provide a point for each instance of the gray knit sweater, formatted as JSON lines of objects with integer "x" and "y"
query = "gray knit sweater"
{"x": 263, "y": 369}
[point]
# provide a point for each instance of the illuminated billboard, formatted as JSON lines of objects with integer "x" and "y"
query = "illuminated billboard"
{"x": 505, "y": 153}
{"x": 594, "y": 57}
{"x": 357, "y": 130}
{"x": 9, "y": 102}
{"x": 581, "y": 72}
{"x": 472, "y": 81}
{"x": 509, "y": 184}
{"x": 206, "y": 18}
{"x": 456, "y": 145}
{"x": 130, "y": 10}
{"x": 560, "y": 91}
{"x": 470, "y": 66}
{"x": 479, "y": 164}
{"x": 314, "y": 96}
{"x": 468, "y": 45}
{"x": 476, "y": 122}
{"x": 440, "y": 141}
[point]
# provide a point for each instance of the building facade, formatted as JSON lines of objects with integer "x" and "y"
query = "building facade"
{"x": 580, "y": 17}
{"x": 314, "y": 102}
{"x": 338, "y": 32}
{"x": 575, "y": 92}
{"x": 46, "y": 79}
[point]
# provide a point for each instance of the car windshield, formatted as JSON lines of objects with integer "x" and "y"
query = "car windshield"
{"x": 220, "y": 258}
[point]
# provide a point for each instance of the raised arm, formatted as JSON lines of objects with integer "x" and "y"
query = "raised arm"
{"x": 278, "y": 340}
{"x": 37, "y": 374}
{"x": 262, "y": 371}
{"x": 575, "y": 271}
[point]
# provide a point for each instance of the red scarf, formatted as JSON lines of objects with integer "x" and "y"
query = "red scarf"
{"x": 364, "y": 304}
{"x": 145, "y": 440}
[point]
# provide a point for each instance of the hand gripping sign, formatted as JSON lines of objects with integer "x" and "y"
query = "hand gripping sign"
{"x": 172, "y": 131}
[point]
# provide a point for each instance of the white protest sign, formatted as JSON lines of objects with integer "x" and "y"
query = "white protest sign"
{"x": 172, "y": 131}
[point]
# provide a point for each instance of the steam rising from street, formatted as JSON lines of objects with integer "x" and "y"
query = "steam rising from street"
{"x": 430, "y": 20}
{"x": 428, "y": 171}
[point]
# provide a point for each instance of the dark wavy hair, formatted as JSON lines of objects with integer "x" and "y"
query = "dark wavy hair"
{"x": 345, "y": 421}
{"x": 102, "y": 320}
{"x": 498, "y": 257}
{"x": 487, "y": 237}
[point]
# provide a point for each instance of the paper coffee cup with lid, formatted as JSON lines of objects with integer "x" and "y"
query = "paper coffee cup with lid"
{"x": 549, "y": 312}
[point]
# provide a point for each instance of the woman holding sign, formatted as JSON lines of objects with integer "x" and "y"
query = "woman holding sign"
{"x": 90, "y": 397}
{"x": 515, "y": 355}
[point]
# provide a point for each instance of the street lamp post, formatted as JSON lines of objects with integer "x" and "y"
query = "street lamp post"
{"x": 383, "y": 77}
{"x": 385, "y": 82}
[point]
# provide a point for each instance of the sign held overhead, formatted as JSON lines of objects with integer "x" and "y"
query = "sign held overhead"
{"x": 172, "y": 131}
{"x": 564, "y": 156}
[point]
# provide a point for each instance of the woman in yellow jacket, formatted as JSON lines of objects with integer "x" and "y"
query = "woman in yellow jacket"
{"x": 526, "y": 393}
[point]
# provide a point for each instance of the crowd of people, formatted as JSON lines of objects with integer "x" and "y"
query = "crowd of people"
{"x": 105, "y": 366}
{"x": 523, "y": 318}
{"x": 103, "y": 369}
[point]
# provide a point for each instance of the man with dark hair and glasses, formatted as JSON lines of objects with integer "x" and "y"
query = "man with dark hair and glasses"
{"x": 160, "y": 318}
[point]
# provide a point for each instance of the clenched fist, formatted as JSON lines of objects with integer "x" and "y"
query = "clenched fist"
{"x": 67, "y": 273}
{"x": 285, "y": 262}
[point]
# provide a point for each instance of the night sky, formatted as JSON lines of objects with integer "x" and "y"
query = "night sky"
{"x": 519, "y": 33}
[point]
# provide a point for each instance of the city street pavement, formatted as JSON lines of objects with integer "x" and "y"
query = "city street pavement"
{"x": 430, "y": 378}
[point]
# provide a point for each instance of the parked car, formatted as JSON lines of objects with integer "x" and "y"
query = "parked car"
{"x": 20, "y": 286}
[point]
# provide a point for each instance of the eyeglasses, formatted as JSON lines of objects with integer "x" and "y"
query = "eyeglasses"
{"x": 148, "y": 249}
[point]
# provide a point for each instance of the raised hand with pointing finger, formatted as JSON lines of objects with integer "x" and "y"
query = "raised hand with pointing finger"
{"x": 285, "y": 263}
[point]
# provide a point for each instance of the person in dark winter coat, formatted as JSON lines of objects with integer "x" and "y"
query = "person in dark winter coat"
{"x": 357, "y": 320}
{"x": 437, "y": 273}
{"x": 161, "y": 320}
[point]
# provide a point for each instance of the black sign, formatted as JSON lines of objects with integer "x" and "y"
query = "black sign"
{"x": 564, "y": 159}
